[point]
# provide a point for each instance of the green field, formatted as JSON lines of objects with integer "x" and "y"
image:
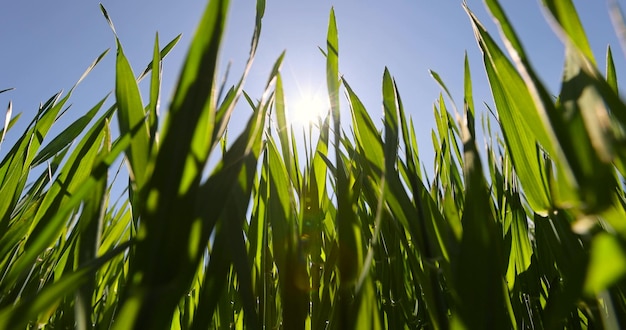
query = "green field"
{"x": 346, "y": 232}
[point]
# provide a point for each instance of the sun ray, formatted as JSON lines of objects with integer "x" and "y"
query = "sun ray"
{"x": 309, "y": 108}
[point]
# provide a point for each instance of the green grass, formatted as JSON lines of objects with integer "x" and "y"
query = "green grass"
{"x": 346, "y": 232}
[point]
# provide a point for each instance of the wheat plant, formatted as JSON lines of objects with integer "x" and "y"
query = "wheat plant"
{"x": 347, "y": 232}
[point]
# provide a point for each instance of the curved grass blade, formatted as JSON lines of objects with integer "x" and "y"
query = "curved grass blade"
{"x": 515, "y": 107}
{"x": 567, "y": 18}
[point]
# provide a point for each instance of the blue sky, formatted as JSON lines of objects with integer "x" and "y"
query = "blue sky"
{"x": 46, "y": 45}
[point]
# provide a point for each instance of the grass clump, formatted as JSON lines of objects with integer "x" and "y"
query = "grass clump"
{"x": 352, "y": 235}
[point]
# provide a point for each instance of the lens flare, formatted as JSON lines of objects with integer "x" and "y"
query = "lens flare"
{"x": 309, "y": 108}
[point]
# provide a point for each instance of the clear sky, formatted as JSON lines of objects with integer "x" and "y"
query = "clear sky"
{"x": 46, "y": 45}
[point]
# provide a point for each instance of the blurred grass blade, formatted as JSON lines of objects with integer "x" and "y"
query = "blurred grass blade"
{"x": 607, "y": 263}
{"x": 590, "y": 152}
{"x": 567, "y": 18}
{"x": 617, "y": 18}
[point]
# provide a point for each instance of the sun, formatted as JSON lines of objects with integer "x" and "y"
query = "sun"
{"x": 309, "y": 108}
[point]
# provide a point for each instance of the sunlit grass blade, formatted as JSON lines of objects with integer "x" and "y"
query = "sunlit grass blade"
{"x": 367, "y": 139}
{"x": 171, "y": 190}
{"x": 332, "y": 71}
{"x": 390, "y": 106}
{"x": 78, "y": 174}
{"x": 16, "y": 164}
{"x": 515, "y": 107}
{"x": 90, "y": 224}
{"x": 294, "y": 283}
{"x": 7, "y": 122}
{"x": 521, "y": 245}
{"x": 348, "y": 227}
{"x": 162, "y": 54}
{"x": 227, "y": 211}
{"x": 568, "y": 169}
{"x": 567, "y": 18}
{"x": 19, "y": 316}
{"x": 68, "y": 135}
{"x": 224, "y": 112}
{"x": 433, "y": 235}
{"x": 131, "y": 116}
{"x": 439, "y": 81}
{"x": 283, "y": 129}
{"x": 155, "y": 94}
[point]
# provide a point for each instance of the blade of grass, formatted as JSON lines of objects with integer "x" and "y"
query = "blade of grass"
{"x": 515, "y": 106}
{"x": 168, "y": 252}
{"x": 479, "y": 283}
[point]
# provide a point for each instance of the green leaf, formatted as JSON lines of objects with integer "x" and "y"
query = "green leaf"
{"x": 367, "y": 136}
{"x": 483, "y": 300}
{"x": 332, "y": 69}
{"x": 132, "y": 118}
{"x": 68, "y": 135}
{"x": 81, "y": 171}
{"x": 572, "y": 30}
{"x": 518, "y": 113}
{"x": 171, "y": 192}
{"x": 283, "y": 129}
{"x": 293, "y": 279}
{"x": 162, "y": 54}
{"x": 611, "y": 75}
{"x": 19, "y": 316}
{"x": 607, "y": 263}
{"x": 155, "y": 94}
{"x": 586, "y": 137}
{"x": 390, "y": 106}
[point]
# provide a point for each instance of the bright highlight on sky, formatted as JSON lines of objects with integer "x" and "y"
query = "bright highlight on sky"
{"x": 46, "y": 45}
{"x": 309, "y": 107}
